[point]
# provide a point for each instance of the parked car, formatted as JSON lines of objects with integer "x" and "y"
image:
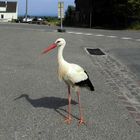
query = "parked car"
{"x": 28, "y": 20}
{"x": 38, "y": 21}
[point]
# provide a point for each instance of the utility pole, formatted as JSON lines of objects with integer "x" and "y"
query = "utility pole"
{"x": 61, "y": 15}
{"x": 26, "y": 14}
{"x": 90, "y": 24}
{"x": 91, "y": 14}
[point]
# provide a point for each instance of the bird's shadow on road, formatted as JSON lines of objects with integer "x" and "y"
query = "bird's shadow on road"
{"x": 49, "y": 102}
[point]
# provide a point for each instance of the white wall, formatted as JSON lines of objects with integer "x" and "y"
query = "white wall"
{"x": 8, "y": 16}
{"x": 3, "y": 9}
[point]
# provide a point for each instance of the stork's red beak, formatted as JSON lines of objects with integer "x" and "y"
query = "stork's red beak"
{"x": 52, "y": 46}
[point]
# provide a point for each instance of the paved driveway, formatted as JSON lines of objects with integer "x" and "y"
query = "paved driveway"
{"x": 33, "y": 103}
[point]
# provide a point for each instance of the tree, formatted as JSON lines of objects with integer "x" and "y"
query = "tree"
{"x": 134, "y": 8}
{"x": 69, "y": 15}
{"x": 115, "y": 13}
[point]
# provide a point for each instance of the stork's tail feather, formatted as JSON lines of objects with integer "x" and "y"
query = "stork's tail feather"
{"x": 85, "y": 83}
{"x": 90, "y": 85}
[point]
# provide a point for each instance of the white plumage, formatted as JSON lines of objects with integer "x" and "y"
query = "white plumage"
{"x": 72, "y": 74}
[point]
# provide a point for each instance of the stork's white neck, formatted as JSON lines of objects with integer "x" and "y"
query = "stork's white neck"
{"x": 60, "y": 54}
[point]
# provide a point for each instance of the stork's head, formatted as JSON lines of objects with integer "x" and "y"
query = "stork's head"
{"x": 58, "y": 43}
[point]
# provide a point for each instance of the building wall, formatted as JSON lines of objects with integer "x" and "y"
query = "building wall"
{"x": 2, "y": 8}
{"x": 8, "y": 10}
{"x": 8, "y": 16}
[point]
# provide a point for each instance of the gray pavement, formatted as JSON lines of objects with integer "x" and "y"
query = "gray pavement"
{"x": 130, "y": 57}
{"x": 33, "y": 102}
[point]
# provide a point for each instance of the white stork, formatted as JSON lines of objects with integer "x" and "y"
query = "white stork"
{"x": 72, "y": 74}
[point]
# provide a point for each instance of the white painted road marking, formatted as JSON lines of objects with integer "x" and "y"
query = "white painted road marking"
{"x": 102, "y": 35}
{"x": 88, "y": 34}
{"x": 111, "y": 36}
{"x": 78, "y": 33}
{"x": 99, "y": 35}
{"x": 126, "y": 38}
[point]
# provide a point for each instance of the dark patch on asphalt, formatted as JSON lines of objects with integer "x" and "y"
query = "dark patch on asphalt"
{"x": 95, "y": 51}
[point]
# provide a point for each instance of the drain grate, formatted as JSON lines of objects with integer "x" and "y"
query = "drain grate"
{"x": 95, "y": 51}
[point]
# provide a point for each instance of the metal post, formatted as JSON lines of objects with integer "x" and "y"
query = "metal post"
{"x": 61, "y": 16}
{"x": 26, "y": 14}
{"x": 90, "y": 18}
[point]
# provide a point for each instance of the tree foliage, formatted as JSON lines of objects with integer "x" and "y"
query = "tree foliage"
{"x": 117, "y": 12}
{"x": 69, "y": 15}
{"x": 105, "y": 12}
{"x": 134, "y": 8}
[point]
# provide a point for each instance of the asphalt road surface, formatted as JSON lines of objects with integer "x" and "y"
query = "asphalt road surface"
{"x": 33, "y": 103}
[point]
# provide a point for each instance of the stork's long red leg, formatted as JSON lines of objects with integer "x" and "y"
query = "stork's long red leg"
{"x": 68, "y": 119}
{"x": 81, "y": 119}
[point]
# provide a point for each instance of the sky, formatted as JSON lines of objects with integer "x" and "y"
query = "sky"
{"x": 41, "y": 7}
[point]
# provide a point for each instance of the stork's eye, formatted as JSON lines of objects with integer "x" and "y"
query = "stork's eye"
{"x": 58, "y": 42}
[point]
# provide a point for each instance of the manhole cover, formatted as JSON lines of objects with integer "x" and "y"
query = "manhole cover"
{"x": 95, "y": 51}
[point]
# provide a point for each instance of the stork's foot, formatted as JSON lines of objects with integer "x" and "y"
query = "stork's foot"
{"x": 68, "y": 120}
{"x": 81, "y": 121}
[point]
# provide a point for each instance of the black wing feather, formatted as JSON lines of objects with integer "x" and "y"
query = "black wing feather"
{"x": 86, "y": 83}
